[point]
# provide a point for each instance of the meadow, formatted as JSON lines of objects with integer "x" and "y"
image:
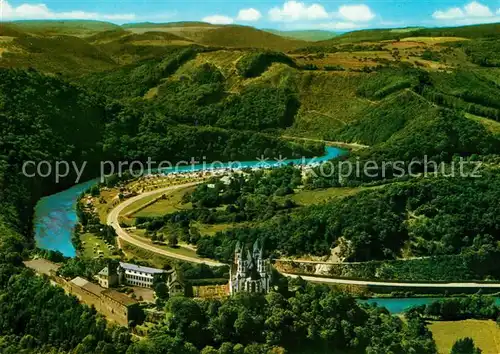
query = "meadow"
{"x": 486, "y": 334}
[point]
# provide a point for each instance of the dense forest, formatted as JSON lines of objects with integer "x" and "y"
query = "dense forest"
{"x": 433, "y": 216}
{"x": 311, "y": 319}
{"x": 455, "y": 309}
{"x": 313, "y": 316}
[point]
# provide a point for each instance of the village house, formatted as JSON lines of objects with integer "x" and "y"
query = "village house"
{"x": 141, "y": 276}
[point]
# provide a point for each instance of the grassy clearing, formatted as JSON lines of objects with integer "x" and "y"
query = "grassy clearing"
{"x": 139, "y": 235}
{"x": 92, "y": 245}
{"x": 139, "y": 203}
{"x": 224, "y": 60}
{"x": 485, "y": 334}
{"x": 492, "y": 125}
{"x": 212, "y": 229}
{"x": 171, "y": 204}
{"x": 434, "y": 40}
{"x": 107, "y": 196}
{"x": 154, "y": 182}
{"x": 347, "y": 60}
{"x": 160, "y": 43}
{"x": 134, "y": 253}
{"x": 308, "y": 197}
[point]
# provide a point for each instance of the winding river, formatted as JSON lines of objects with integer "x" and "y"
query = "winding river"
{"x": 55, "y": 215}
{"x": 400, "y": 305}
{"x": 55, "y": 218}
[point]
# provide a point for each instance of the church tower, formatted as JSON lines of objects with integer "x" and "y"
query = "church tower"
{"x": 250, "y": 272}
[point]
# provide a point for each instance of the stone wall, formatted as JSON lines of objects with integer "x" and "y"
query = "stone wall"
{"x": 105, "y": 305}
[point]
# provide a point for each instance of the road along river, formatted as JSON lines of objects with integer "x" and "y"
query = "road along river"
{"x": 55, "y": 216}
{"x": 122, "y": 234}
{"x": 55, "y": 219}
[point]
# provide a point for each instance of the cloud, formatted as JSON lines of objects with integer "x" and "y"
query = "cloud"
{"x": 476, "y": 9}
{"x": 295, "y": 11}
{"x": 249, "y": 15}
{"x": 449, "y": 14}
{"x": 473, "y": 12}
{"x": 42, "y": 12}
{"x": 356, "y": 13}
{"x": 218, "y": 20}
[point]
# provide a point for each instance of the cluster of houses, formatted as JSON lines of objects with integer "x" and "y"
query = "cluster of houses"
{"x": 250, "y": 272}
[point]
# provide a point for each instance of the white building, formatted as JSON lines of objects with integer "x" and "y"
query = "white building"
{"x": 250, "y": 272}
{"x": 136, "y": 275}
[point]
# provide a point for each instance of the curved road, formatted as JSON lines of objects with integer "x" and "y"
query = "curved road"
{"x": 112, "y": 220}
{"x": 392, "y": 284}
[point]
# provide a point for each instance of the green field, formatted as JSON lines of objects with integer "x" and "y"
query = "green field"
{"x": 212, "y": 229}
{"x": 171, "y": 204}
{"x": 305, "y": 35}
{"x": 317, "y": 196}
{"x": 134, "y": 253}
{"x": 141, "y": 202}
{"x": 433, "y": 40}
{"x": 492, "y": 125}
{"x": 485, "y": 334}
{"x": 92, "y": 244}
{"x": 139, "y": 235}
{"x": 64, "y": 27}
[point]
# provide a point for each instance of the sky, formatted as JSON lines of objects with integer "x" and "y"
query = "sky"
{"x": 340, "y": 15}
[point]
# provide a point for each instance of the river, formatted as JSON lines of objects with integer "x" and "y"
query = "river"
{"x": 400, "y": 305}
{"x": 55, "y": 216}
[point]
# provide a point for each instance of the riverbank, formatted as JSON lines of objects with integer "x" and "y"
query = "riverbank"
{"x": 55, "y": 216}
{"x": 400, "y": 305}
{"x": 338, "y": 144}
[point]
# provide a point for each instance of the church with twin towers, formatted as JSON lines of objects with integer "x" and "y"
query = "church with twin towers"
{"x": 250, "y": 272}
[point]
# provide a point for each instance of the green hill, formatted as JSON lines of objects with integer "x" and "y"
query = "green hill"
{"x": 473, "y": 32}
{"x": 167, "y": 24}
{"x": 107, "y": 36}
{"x": 189, "y": 30}
{"x": 491, "y": 30}
{"x": 151, "y": 36}
{"x": 64, "y": 27}
{"x": 305, "y": 35}
{"x": 368, "y": 35}
{"x": 247, "y": 37}
{"x": 55, "y": 54}
{"x": 9, "y": 29}
{"x": 378, "y": 123}
{"x": 233, "y": 36}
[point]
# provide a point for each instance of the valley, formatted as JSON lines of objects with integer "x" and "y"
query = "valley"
{"x": 351, "y": 224}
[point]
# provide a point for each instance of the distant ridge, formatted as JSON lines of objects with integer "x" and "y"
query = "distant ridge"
{"x": 63, "y": 27}
{"x": 236, "y": 36}
{"x": 168, "y": 24}
{"x": 305, "y": 35}
{"x": 472, "y": 31}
